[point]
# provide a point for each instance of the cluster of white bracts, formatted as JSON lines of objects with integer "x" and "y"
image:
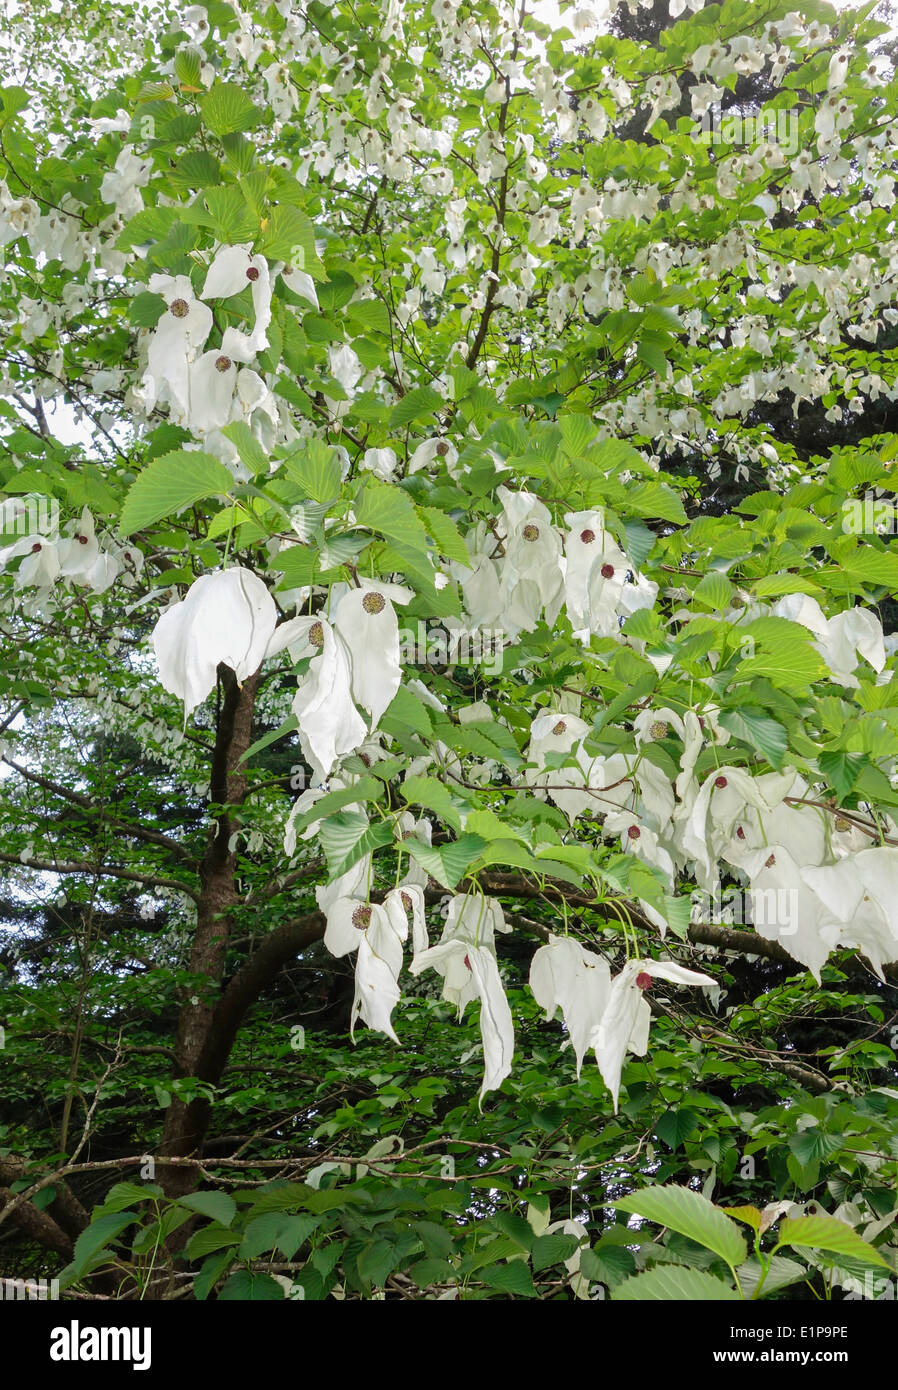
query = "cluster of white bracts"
{"x": 78, "y": 556}
{"x": 529, "y": 569}
{"x": 610, "y": 1016}
{"x": 230, "y": 617}
{"x": 208, "y": 389}
{"x": 815, "y": 880}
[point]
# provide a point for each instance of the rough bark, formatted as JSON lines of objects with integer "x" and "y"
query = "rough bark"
{"x": 185, "y": 1124}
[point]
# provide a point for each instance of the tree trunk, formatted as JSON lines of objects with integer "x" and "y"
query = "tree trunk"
{"x": 186, "y": 1124}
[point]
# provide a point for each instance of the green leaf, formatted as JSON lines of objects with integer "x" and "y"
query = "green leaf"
{"x": 674, "y": 1283}
{"x": 377, "y": 1261}
{"x": 170, "y": 483}
{"x": 407, "y": 712}
{"x": 553, "y": 1249}
{"x": 347, "y": 837}
{"x": 780, "y": 1273}
{"x": 365, "y": 789}
{"x": 759, "y": 731}
{"x": 449, "y": 541}
{"x": 513, "y": 1278}
{"x": 714, "y": 590}
{"x": 126, "y": 1193}
{"x": 246, "y": 1287}
{"x": 750, "y": 1215}
{"x": 827, "y": 1233}
{"x": 675, "y": 1126}
{"x": 415, "y": 405}
{"x": 447, "y": 863}
{"x": 692, "y": 1215}
{"x": 210, "y": 1238}
{"x": 517, "y": 1228}
{"x": 218, "y": 1206}
{"x": 607, "y": 1264}
{"x": 640, "y": 542}
{"x": 841, "y": 771}
{"x": 145, "y": 309}
{"x": 187, "y": 69}
{"x": 290, "y": 236}
{"x": 226, "y": 108}
{"x": 315, "y": 470}
{"x": 248, "y": 447}
{"x": 275, "y": 1230}
{"x": 790, "y": 665}
{"x": 212, "y": 1270}
{"x": 93, "y": 1240}
{"x": 434, "y": 796}
{"x": 391, "y": 511}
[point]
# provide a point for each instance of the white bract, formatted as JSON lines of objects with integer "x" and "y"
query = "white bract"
{"x": 227, "y": 618}
{"x": 625, "y": 1024}
{"x": 565, "y": 976}
{"x": 471, "y": 972}
{"x": 330, "y": 726}
{"x": 366, "y": 622}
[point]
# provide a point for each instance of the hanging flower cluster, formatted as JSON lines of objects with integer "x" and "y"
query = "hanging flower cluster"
{"x": 527, "y": 569}
{"x": 78, "y": 557}
{"x": 208, "y": 388}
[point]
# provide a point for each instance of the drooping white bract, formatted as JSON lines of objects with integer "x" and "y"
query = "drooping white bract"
{"x": 472, "y": 972}
{"x": 568, "y": 787}
{"x": 600, "y": 583}
{"x": 784, "y": 908}
{"x": 377, "y": 969}
{"x": 180, "y": 332}
{"x": 353, "y": 884}
{"x": 686, "y": 785}
{"x": 806, "y": 829}
{"x": 564, "y": 975}
{"x": 716, "y": 810}
{"x": 366, "y": 621}
{"x": 300, "y": 283}
{"x": 78, "y": 553}
{"x": 228, "y": 617}
{"x": 231, "y": 270}
{"x": 841, "y": 640}
{"x": 40, "y": 567}
{"x": 859, "y": 903}
{"x": 408, "y": 898}
{"x": 121, "y": 184}
{"x": 420, "y": 829}
{"x": 381, "y": 462}
{"x": 301, "y": 806}
{"x": 376, "y": 934}
{"x": 532, "y": 579}
{"x": 480, "y": 581}
{"x": 433, "y": 452}
{"x": 330, "y": 726}
{"x": 625, "y": 1024}
{"x": 211, "y": 380}
{"x": 476, "y": 918}
{"x": 652, "y": 724}
{"x": 638, "y": 838}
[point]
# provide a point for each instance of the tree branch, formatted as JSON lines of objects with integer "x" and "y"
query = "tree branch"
{"x": 99, "y": 871}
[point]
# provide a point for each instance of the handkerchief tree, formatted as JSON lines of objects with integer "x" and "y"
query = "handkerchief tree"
{"x": 446, "y": 573}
